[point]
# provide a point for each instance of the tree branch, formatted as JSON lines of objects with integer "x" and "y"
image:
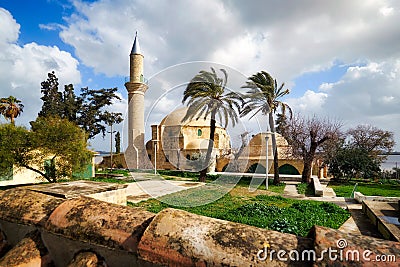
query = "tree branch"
{"x": 38, "y": 171}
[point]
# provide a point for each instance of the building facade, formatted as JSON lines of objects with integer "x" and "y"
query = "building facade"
{"x": 176, "y": 144}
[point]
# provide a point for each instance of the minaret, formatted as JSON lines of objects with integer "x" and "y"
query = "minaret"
{"x": 135, "y": 155}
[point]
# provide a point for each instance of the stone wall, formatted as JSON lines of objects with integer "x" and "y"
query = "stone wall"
{"x": 359, "y": 197}
{"x": 43, "y": 230}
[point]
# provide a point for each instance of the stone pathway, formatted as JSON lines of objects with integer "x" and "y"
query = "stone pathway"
{"x": 290, "y": 190}
{"x": 151, "y": 186}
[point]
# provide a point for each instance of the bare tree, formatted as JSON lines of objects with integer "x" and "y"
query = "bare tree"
{"x": 306, "y": 135}
{"x": 371, "y": 139}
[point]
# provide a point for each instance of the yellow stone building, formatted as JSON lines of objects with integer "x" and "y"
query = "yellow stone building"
{"x": 176, "y": 144}
{"x": 256, "y": 155}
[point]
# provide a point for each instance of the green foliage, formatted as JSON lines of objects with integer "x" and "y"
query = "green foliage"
{"x": 388, "y": 189}
{"x": 15, "y": 145}
{"x": 276, "y": 188}
{"x": 271, "y": 212}
{"x": 54, "y": 148}
{"x": 115, "y": 171}
{"x": 360, "y": 156}
{"x": 85, "y": 110}
{"x": 284, "y": 226}
{"x": 351, "y": 162}
{"x": 263, "y": 95}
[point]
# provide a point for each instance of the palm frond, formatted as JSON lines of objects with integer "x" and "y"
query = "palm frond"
{"x": 205, "y": 95}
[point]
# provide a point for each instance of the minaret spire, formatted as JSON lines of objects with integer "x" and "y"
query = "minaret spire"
{"x": 136, "y": 46}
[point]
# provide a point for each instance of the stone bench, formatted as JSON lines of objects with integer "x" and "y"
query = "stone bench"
{"x": 318, "y": 190}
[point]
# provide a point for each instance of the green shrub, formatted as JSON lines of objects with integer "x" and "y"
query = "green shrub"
{"x": 284, "y": 226}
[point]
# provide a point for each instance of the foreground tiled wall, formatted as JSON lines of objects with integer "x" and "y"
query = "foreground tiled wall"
{"x": 41, "y": 230}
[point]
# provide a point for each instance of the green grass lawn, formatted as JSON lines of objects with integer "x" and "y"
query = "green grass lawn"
{"x": 261, "y": 208}
{"x": 367, "y": 188}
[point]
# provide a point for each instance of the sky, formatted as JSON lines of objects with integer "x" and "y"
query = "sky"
{"x": 340, "y": 59}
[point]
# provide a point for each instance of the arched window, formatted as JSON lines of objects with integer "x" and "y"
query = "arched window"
{"x": 199, "y": 132}
{"x": 288, "y": 169}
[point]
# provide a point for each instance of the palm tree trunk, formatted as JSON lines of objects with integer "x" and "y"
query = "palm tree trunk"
{"x": 203, "y": 173}
{"x": 277, "y": 179}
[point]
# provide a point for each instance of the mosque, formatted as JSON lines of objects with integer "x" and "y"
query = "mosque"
{"x": 179, "y": 145}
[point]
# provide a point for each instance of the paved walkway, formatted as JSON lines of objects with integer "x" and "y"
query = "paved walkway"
{"x": 151, "y": 186}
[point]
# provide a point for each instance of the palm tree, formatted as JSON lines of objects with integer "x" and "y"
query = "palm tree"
{"x": 263, "y": 96}
{"x": 10, "y": 108}
{"x": 205, "y": 96}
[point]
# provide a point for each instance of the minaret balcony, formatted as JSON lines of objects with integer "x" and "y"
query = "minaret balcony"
{"x": 142, "y": 80}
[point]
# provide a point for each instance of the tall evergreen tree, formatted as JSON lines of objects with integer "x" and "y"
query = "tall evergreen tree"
{"x": 91, "y": 115}
{"x": 52, "y": 98}
{"x": 70, "y": 103}
{"x": 85, "y": 110}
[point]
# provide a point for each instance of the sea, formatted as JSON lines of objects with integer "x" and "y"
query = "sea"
{"x": 390, "y": 163}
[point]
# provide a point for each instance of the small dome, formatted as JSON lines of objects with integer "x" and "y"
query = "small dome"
{"x": 176, "y": 116}
{"x": 198, "y": 144}
{"x": 259, "y": 139}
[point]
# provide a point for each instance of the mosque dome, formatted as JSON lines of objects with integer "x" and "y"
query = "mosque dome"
{"x": 175, "y": 119}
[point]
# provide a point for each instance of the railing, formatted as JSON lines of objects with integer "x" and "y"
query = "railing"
{"x": 354, "y": 190}
{"x": 142, "y": 80}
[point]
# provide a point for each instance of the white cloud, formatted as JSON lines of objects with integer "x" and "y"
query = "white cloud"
{"x": 386, "y": 11}
{"x": 310, "y": 102}
{"x": 366, "y": 94}
{"x": 9, "y": 30}
{"x": 24, "y": 67}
